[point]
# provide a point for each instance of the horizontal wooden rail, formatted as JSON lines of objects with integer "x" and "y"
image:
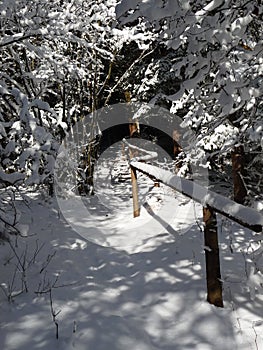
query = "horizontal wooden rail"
{"x": 149, "y": 155}
{"x": 244, "y": 216}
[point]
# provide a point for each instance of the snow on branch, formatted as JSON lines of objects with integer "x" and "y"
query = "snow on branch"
{"x": 244, "y": 216}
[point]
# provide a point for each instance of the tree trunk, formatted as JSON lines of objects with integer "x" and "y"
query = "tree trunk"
{"x": 213, "y": 275}
{"x": 238, "y": 167}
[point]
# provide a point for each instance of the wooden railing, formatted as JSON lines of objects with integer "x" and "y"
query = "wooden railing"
{"x": 239, "y": 213}
{"x": 212, "y": 203}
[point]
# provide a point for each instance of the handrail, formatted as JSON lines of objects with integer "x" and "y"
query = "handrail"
{"x": 244, "y": 216}
{"x": 150, "y": 155}
{"x": 212, "y": 202}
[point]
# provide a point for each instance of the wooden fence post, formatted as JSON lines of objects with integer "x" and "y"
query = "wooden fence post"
{"x": 213, "y": 275}
{"x": 136, "y": 207}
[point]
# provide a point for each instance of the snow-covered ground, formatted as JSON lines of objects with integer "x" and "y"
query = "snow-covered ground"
{"x": 109, "y": 281}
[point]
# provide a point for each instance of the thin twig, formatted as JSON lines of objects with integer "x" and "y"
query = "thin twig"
{"x": 53, "y": 312}
{"x": 47, "y": 262}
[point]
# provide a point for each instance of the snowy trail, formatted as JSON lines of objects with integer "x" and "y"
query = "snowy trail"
{"x": 148, "y": 299}
{"x": 107, "y": 217}
{"x": 122, "y": 283}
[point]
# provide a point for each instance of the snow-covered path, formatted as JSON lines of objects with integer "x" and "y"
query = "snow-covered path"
{"x": 142, "y": 287}
{"x": 107, "y": 218}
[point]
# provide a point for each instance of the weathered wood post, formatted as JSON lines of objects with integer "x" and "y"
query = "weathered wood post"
{"x": 213, "y": 274}
{"x": 136, "y": 206}
{"x": 212, "y": 259}
{"x": 135, "y": 196}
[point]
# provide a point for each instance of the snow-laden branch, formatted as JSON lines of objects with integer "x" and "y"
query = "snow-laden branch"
{"x": 245, "y": 216}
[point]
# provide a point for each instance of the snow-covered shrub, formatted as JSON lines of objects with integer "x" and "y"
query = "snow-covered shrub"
{"x": 56, "y": 63}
